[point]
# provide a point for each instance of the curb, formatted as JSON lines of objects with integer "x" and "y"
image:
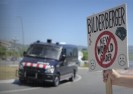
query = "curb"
{"x": 7, "y": 81}
{"x": 13, "y": 65}
{"x": 83, "y": 68}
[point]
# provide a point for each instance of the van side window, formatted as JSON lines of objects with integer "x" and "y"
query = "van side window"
{"x": 75, "y": 52}
{"x": 63, "y": 51}
{"x": 69, "y": 52}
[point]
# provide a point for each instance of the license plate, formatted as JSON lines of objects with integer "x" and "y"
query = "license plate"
{"x": 31, "y": 75}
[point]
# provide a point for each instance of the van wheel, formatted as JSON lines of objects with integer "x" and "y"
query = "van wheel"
{"x": 74, "y": 74}
{"x": 72, "y": 78}
{"x": 56, "y": 81}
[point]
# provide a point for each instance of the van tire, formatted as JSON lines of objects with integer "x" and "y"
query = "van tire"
{"x": 72, "y": 78}
{"x": 56, "y": 81}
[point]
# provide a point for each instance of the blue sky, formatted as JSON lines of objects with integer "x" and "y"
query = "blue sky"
{"x": 59, "y": 20}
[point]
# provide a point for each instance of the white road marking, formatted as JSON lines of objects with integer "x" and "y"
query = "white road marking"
{"x": 78, "y": 78}
{"x": 7, "y": 81}
{"x": 86, "y": 68}
{"x": 18, "y": 90}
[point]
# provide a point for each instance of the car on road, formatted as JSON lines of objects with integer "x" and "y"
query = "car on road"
{"x": 49, "y": 62}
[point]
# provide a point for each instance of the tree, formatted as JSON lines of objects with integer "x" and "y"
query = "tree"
{"x": 2, "y": 51}
{"x": 85, "y": 55}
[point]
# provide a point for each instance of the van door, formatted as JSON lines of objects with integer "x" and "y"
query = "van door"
{"x": 69, "y": 57}
{"x": 64, "y": 69}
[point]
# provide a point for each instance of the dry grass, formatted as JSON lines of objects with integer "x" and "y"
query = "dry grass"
{"x": 7, "y": 72}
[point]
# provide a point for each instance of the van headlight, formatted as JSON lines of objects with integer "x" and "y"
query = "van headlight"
{"x": 49, "y": 69}
{"x": 21, "y": 66}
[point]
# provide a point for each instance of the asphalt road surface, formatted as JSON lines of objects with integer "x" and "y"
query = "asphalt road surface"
{"x": 85, "y": 83}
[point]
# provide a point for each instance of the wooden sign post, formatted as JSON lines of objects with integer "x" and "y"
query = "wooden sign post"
{"x": 108, "y": 84}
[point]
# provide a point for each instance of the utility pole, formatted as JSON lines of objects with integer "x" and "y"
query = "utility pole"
{"x": 21, "y": 22}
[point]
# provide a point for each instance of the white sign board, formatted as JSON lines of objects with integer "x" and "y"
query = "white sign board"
{"x": 107, "y": 39}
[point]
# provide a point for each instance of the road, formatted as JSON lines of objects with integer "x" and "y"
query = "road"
{"x": 85, "y": 83}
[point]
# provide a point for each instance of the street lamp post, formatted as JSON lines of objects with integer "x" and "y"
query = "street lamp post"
{"x": 21, "y": 22}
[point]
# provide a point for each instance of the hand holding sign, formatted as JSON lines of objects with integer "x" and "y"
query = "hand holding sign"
{"x": 117, "y": 78}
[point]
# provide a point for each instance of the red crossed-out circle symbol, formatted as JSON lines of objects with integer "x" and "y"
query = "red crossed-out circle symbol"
{"x": 112, "y": 38}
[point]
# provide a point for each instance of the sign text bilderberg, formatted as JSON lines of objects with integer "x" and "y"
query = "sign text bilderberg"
{"x": 107, "y": 39}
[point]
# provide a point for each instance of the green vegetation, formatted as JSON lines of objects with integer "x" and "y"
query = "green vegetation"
{"x": 85, "y": 55}
{"x": 5, "y": 52}
{"x": 7, "y": 72}
{"x": 2, "y": 51}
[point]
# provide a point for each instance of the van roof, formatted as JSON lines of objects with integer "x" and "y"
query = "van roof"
{"x": 55, "y": 44}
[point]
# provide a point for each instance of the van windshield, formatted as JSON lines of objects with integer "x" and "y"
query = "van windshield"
{"x": 44, "y": 51}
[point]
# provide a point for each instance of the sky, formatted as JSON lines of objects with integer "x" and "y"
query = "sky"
{"x": 60, "y": 20}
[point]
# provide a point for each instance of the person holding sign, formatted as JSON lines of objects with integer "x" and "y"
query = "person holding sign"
{"x": 117, "y": 78}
